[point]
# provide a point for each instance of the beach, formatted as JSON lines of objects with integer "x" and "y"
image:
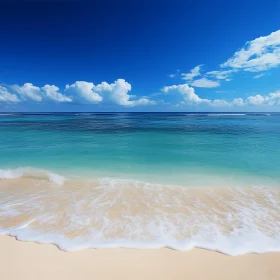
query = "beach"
{"x": 28, "y": 260}
{"x": 140, "y": 140}
{"x": 139, "y": 196}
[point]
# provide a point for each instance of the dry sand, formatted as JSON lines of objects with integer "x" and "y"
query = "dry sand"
{"x": 27, "y": 260}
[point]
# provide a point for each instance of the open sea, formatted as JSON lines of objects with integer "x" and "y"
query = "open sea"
{"x": 142, "y": 180}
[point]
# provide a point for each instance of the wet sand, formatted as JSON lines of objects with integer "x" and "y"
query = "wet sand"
{"x": 28, "y": 260}
{"x": 125, "y": 213}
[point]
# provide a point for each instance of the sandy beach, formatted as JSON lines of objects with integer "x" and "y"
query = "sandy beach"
{"x": 28, "y": 260}
{"x": 139, "y": 140}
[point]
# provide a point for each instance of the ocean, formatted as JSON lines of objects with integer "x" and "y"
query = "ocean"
{"x": 142, "y": 180}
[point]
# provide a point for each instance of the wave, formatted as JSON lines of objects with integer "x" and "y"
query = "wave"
{"x": 232, "y": 245}
{"x": 261, "y": 114}
{"x": 113, "y": 213}
{"x": 6, "y": 114}
{"x": 223, "y": 114}
{"x": 31, "y": 172}
{"x": 243, "y": 114}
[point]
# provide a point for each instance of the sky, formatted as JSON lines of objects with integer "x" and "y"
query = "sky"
{"x": 126, "y": 56}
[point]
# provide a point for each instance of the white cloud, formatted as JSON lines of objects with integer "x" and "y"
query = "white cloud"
{"x": 205, "y": 83}
{"x": 256, "y": 99}
{"x": 187, "y": 92}
{"x": 260, "y": 54}
{"x": 84, "y": 91}
{"x": 52, "y": 92}
{"x": 220, "y": 103}
{"x": 273, "y": 98}
{"x": 189, "y": 97}
{"x": 171, "y": 75}
{"x": 116, "y": 92}
{"x": 195, "y": 72}
{"x": 221, "y": 75}
{"x": 202, "y": 82}
{"x": 258, "y": 76}
{"x": 238, "y": 102}
{"x": 28, "y": 91}
{"x": 119, "y": 94}
{"x": 80, "y": 91}
{"x": 6, "y": 96}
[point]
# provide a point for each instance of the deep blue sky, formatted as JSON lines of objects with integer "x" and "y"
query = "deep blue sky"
{"x": 143, "y": 42}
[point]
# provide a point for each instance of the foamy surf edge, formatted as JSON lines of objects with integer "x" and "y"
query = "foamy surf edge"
{"x": 246, "y": 238}
{"x": 31, "y": 172}
{"x": 232, "y": 245}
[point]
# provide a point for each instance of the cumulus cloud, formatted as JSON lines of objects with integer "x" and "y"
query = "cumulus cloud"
{"x": 189, "y": 96}
{"x": 256, "y": 99}
{"x": 79, "y": 92}
{"x": 187, "y": 92}
{"x": 52, "y": 92}
{"x": 34, "y": 93}
{"x": 260, "y": 54}
{"x": 28, "y": 91}
{"x": 195, "y": 72}
{"x": 205, "y": 83}
{"x": 6, "y": 96}
{"x": 83, "y": 91}
{"x": 238, "y": 102}
{"x": 273, "y": 99}
{"x": 220, "y": 103}
{"x": 116, "y": 92}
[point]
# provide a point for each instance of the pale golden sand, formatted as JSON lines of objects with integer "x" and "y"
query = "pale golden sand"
{"x": 28, "y": 261}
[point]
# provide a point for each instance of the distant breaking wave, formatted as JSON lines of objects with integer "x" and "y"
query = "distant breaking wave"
{"x": 206, "y": 114}
{"x": 31, "y": 172}
{"x": 215, "y": 115}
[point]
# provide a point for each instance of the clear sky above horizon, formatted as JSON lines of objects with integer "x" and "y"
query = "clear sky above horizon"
{"x": 140, "y": 56}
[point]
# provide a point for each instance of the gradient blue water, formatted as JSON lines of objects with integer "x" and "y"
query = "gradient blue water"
{"x": 150, "y": 146}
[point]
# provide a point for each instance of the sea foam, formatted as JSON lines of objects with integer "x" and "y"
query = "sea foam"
{"x": 112, "y": 213}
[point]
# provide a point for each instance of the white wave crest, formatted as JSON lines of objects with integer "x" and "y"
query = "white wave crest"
{"x": 31, "y": 172}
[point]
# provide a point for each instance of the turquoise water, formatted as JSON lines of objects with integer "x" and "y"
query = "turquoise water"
{"x": 185, "y": 149}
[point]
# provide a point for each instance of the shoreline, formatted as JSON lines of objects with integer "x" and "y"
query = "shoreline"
{"x": 116, "y": 215}
{"x": 29, "y": 260}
